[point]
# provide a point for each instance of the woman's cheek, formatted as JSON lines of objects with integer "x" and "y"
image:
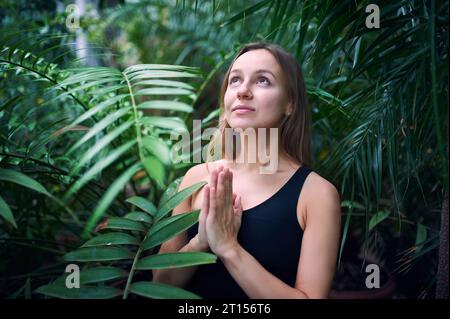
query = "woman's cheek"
{"x": 227, "y": 100}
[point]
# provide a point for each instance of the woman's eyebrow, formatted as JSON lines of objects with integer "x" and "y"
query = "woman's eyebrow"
{"x": 257, "y": 71}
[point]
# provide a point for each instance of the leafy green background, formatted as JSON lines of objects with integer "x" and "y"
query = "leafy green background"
{"x": 85, "y": 132}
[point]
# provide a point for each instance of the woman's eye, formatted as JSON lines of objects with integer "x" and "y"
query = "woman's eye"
{"x": 265, "y": 79}
{"x": 232, "y": 79}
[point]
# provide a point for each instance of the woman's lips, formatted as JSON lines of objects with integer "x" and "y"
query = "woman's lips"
{"x": 243, "y": 109}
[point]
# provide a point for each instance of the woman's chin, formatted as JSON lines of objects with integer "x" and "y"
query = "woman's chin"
{"x": 242, "y": 126}
{"x": 242, "y": 122}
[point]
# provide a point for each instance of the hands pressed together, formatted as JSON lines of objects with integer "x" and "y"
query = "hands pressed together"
{"x": 220, "y": 216}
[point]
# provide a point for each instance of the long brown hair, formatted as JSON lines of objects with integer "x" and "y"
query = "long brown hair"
{"x": 296, "y": 128}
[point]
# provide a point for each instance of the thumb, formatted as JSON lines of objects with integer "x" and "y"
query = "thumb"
{"x": 238, "y": 206}
{"x": 205, "y": 204}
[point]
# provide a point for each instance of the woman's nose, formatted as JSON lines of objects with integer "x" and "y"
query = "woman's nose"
{"x": 244, "y": 92}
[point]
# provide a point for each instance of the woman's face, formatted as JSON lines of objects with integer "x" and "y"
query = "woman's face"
{"x": 255, "y": 95}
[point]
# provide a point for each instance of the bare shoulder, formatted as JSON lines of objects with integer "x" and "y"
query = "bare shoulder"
{"x": 318, "y": 185}
{"x": 193, "y": 175}
{"x": 198, "y": 173}
{"x": 321, "y": 196}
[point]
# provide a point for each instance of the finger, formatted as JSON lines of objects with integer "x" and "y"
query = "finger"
{"x": 227, "y": 191}
{"x": 220, "y": 187}
{"x": 239, "y": 209}
{"x": 234, "y": 199}
{"x": 213, "y": 179}
{"x": 212, "y": 202}
{"x": 225, "y": 185}
{"x": 230, "y": 186}
{"x": 239, "y": 203}
{"x": 205, "y": 204}
{"x": 221, "y": 169}
{"x": 227, "y": 188}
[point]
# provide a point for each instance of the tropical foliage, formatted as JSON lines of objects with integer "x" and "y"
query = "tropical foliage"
{"x": 86, "y": 172}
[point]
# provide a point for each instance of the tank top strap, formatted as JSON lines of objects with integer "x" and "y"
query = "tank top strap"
{"x": 295, "y": 184}
{"x": 290, "y": 192}
{"x": 284, "y": 200}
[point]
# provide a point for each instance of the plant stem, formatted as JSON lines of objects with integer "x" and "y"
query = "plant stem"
{"x": 49, "y": 79}
{"x": 131, "y": 274}
{"x": 60, "y": 171}
{"x": 136, "y": 119}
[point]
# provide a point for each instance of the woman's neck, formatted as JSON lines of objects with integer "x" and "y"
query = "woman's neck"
{"x": 259, "y": 151}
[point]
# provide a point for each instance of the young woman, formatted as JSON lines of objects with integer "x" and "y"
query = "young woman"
{"x": 276, "y": 235}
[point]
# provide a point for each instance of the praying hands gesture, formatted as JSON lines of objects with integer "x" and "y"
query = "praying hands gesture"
{"x": 220, "y": 215}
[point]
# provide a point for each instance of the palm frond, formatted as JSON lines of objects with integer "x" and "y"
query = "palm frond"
{"x": 125, "y": 241}
{"x": 124, "y": 130}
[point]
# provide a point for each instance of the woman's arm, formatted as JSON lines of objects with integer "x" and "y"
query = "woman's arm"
{"x": 180, "y": 276}
{"x": 318, "y": 254}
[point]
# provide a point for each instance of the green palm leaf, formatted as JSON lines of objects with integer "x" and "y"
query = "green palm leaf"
{"x": 109, "y": 196}
{"x": 124, "y": 224}
{"x": 171, "y": 227}
{"x": 23, "y": 180}
{"x": 139, "y": 217}
{"x": 98, "y": 167}
{"x": 113, "y": 238}
{"x": 101, "y": 274}
{"x": 85, "y": 292}
{"x": 143, "y": 204}
{"x": 160, "y": 291}
{"x": 166, "y": 206}
{"x": 175, "y": 260}
{"x": 98, "y": 254}
{"x": 6, "y": 213}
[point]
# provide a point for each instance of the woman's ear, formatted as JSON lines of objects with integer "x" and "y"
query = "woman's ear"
{"x": 288, "y": 109}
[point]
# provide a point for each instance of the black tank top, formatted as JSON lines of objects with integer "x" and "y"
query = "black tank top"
{"x": 270, "y": 232}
